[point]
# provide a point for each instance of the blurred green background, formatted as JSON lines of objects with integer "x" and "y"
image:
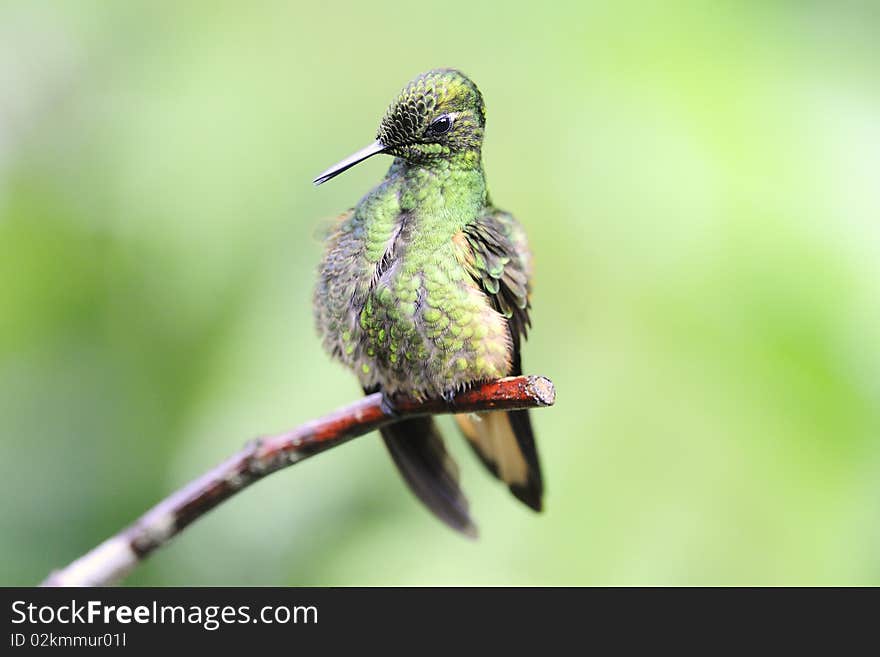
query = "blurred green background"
{"x": 700, "y": 186}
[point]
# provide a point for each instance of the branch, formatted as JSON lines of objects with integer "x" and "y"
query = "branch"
{"x": 117, "y": 556}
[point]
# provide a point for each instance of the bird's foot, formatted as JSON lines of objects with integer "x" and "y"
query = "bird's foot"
{"x": 387, "y": 405}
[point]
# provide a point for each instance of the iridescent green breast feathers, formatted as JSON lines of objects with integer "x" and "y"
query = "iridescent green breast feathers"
{"x": 424, "y": 288}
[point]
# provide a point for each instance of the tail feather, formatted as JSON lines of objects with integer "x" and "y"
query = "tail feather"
{"x": 532, "y": 492}
{"x": 417, "y": 449}
{"x": 506, "y": 446}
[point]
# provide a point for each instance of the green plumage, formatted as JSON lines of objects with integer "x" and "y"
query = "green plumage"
{"x": 424, "y": 286}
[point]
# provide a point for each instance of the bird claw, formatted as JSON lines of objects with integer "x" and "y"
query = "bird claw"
{"x": 387, "y": 405}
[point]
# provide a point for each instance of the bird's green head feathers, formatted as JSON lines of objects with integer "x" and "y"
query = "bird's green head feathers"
{"x": 439, "y": 115}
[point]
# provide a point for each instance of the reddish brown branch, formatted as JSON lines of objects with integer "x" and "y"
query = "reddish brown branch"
{"x": 118, "y": 555}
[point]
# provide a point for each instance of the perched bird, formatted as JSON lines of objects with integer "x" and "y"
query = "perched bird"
{"x": 424, "y": 290}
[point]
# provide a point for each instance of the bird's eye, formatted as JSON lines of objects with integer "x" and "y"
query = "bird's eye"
{"x": 441, "y": 125}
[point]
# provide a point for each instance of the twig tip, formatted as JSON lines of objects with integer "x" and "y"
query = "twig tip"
{"x": 543, "y": 390}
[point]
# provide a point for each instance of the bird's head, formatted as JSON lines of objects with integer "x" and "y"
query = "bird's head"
{"x": 438, "y": 115}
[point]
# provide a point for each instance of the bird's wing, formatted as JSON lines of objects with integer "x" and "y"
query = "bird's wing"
{"x": 494, "y": 251}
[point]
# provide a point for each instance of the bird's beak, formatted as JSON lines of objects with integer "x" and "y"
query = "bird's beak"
{"x": 376, "y": 147}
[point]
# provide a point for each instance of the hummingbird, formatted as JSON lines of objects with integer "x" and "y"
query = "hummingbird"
{"x": 424, "y": 290}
